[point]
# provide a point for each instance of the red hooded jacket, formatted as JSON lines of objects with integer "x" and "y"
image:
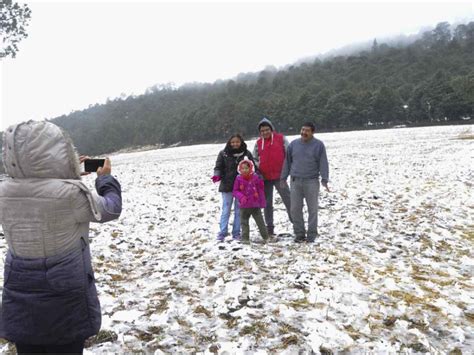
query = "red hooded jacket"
{"x": 271, "y": 153}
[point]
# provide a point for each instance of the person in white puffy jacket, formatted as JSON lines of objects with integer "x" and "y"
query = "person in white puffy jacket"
{"x": 49, "y": 300}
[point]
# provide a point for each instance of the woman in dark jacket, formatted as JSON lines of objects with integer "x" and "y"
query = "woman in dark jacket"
{"x": 49, "y": 299}
{"x": 225, "y": 171}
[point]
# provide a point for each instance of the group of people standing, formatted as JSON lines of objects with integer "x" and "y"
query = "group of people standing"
{"x": 247, "y": 181}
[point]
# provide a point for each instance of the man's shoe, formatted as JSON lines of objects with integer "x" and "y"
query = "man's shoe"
{"x": 311, "y": 238}
{"x": 299, "y": 239}
{"x": 220, "y": 237}
{"x": 237, "y": 238}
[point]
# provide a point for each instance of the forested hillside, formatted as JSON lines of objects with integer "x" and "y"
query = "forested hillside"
{"x": 429, "y": 80}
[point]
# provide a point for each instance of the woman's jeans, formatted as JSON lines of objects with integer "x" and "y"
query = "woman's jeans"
{"x": 227, "y": 200}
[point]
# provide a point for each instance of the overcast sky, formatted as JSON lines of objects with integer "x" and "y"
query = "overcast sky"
{"x": 82, "y": 52}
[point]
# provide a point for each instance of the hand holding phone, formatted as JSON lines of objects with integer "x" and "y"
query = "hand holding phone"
{"x": 106, "y": 169}
{"x": 82, "y": 159}
{"x": 100, "y": 166}
{"x": 91, "y": 165}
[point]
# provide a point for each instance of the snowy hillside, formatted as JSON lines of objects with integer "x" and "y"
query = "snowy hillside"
{"x": 392, "y": 270}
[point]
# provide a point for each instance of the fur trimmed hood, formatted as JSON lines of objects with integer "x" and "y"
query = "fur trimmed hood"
{"x": 246, "y": 161}
{"x": 39, "y": 150}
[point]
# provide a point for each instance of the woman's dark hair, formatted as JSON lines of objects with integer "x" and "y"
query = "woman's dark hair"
{"x": 242, "y": 148}
{"x": 236, "y": 135}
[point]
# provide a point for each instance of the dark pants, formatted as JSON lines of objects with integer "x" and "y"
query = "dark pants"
{"x": 72, "y": 348}
{"x": 284, "y": 192}
{"x": 308, "y": 190}
{"x": 245, "y": 214}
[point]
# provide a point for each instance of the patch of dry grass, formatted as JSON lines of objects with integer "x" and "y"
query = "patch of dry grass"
{"x": 257, "y": 329}
{"x": 202, "y": 310}
{"x": 466, "y": 135}
{"x": 102, "y": 337}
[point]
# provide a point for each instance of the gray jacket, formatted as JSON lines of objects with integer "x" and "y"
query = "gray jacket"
{"x": 306, "y": 160}
{"x": 49, "y": 294}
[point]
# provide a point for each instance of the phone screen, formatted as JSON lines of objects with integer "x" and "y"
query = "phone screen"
{"x": 91, "y": 165}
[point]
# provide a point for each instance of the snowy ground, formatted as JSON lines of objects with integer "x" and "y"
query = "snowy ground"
{"x": 392, "y": 270}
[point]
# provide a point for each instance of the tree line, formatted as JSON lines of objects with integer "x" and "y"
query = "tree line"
{"x": 14, "y": 20}
{"x": 427, "y": 81}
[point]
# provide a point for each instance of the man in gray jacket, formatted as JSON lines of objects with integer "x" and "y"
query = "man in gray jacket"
{"x": 305, "y": 161}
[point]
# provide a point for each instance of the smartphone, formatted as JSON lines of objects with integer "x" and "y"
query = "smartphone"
{"x": 91, "y": 165}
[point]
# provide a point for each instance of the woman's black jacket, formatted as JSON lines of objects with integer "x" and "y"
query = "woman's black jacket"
{"x": 226, "y": 168}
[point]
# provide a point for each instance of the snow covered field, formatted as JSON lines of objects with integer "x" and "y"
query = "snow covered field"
{"x": 392, "y": 270}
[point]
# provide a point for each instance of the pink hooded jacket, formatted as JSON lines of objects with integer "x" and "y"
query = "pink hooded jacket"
{"x": 249, "y": 191}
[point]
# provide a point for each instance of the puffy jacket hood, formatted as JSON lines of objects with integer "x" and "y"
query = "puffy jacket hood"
{"x": 246, "y": 161}
{"x": 267, "y": 121}
{"x": 39, "y": 150}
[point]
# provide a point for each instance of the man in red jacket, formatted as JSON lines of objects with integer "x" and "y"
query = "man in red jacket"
{"x": 269, "y": 154}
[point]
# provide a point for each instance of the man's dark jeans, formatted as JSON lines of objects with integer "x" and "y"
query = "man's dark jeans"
{"x": 284, "y": 192}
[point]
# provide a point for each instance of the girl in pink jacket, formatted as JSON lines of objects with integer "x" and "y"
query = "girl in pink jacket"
{"x": 248, "y": 189}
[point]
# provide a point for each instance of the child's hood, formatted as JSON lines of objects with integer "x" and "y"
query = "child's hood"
{"x": 246, "y": 161}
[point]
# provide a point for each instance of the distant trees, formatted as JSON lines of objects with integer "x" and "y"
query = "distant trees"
{"x": 427, "y": 81}
{"x": 14, "y": 19}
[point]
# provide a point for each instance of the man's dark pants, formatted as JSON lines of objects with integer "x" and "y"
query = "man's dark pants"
{"x": 284, "y": 192}
{"x": 308, "y": 190}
